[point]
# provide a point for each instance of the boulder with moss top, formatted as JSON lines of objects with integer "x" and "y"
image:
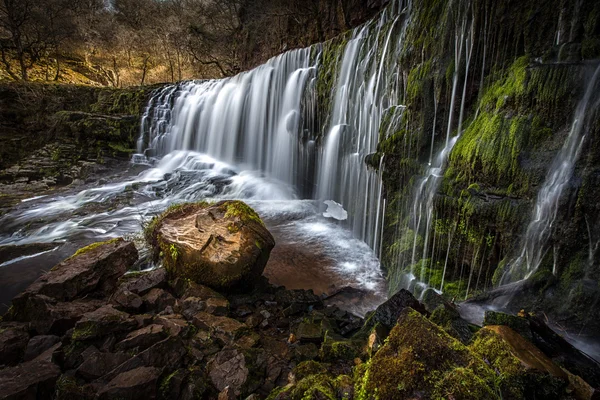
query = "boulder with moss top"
{"x": 223, "y": 245}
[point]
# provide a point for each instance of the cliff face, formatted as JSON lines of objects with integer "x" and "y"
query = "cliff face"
{"x": 53, "y": 135}
{"x": 504, "y": 80}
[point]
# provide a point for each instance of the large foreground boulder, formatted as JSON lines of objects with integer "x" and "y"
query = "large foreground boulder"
{"x": 222, "y": 245}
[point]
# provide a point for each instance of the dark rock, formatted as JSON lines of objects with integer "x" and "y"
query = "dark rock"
{"x": 142, "y": 282}
{"x": 102, "y": 322}
{"x": 563, "y": 352}
{"x": 175, "y": 325}
{"x": 158, "y": 299}
{"x": 143, "y": 338}
{"x": 305, "y": 352}
{"x": 449, "y": 319}
{"x": 516, "y": 323}
{"x": 228, "y": 369}
{"x": 39, "y": 344}
{"x": 309, "y": 332}
{"x": 97, "y": 364}
{"x": 126, "y": 300}
{"x": 167, "y": 354}
{"x": 227, "y": 394}
{"x": 387, "y": 313}
{"x": 96, "y": 267}
{"x": 223, "y": 245}
{"x": 305, "y": 297}
{"x": 35, "y": 379}
{"x": 172, "y": 386}
{"x": 223, "y": 328}
{"x": 13, "y": 342}
{"x": 185, "y": 288}
{"x": 196, "y": 385}
{"x": 432, "y": 300}
{"x": 217, "y": 306}
{"x": 139, "y": 383}
{"x": 47, "y": 315}
{"x": 191, "y": 306}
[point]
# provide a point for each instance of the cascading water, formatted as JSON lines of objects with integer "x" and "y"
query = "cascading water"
{"x": 421, "y": 213}
{"x": 255, "y": 137}
{"x": 545, "y": 212}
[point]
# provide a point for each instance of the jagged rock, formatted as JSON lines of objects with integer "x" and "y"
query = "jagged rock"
{"x": 217, "y": 306}
{"x": 97, "y": 364}
{"x": 139, "y": 383}
{"x": 387, "y": 313}
{"x": 102, "y": 322}
{"x": 96, "y": 267}
{"x": 300, "y": 297}
{"x": 39, "y": 344}
{"x": 305, "y": 352}
{"x": 33, "y": 379}
{"x": 223, "y": 328}
{"x": 143, "y": 338}
{"x": 196, "y": 384}
{"x": 13, "y": 342}
{"x": 158, "y": 299}
{"x": 167, "y": 353}
{"x": 227, "y": 394}
{"x": 175, "y": 325}
{"x": 228, "y": 369}
{"x": 127, "y": 300}
{"x": 142, "y": 282}
{"x": 222, "y": 245}
{"x": 47, "y": 315}
{"x": 185, "y": 288}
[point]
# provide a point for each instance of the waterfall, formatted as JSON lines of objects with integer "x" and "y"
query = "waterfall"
{"x": 253, "y": 120}
{"x": 264, "y": 120}
{"x": 544, "y": 214}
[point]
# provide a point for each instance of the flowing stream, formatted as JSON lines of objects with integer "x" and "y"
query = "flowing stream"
{"x": 253, "y": 137}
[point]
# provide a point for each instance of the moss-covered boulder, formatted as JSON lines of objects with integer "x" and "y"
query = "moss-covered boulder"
{"x": 420, "y": 360}
{"x": 222, "y": 245}
{"x": 523, "y": 370}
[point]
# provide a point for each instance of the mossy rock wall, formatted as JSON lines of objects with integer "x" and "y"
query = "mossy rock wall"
{"x": 528, "y": 70}
{"x": 100, "y": 122}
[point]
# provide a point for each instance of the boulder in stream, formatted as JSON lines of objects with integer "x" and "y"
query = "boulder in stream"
{"x": 222, "y": 245}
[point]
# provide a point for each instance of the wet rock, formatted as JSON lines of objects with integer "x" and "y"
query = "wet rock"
{"x": 228, "y": 369}
{"x": 47, "y": 315}
{"x": 299, "y": 297}
{"x": 431, "y": 300}
{"x": 102, "y": 322}
{"x": 13, "y": 342}
{"x": 10, "y": 252}
{"x": 97, "y": 364}
{"x": 223, "y": 328}
{"x": 96, "y": 267}
{"x": 387, "y": 313}
{"x": 142, "y": 282}
{"x": 175, "y": 324}
{"x": 143, "y": 338}
{"x": 158, "y": 299}
{"x": 39, "y": 344}
{"x": 222, "y": 245}
{"x": 139, "y": 383}
{"x": 306, "y": 352}
{"x": 30, "y": 380}
{"x": 191, "y": 306}
{"x": 126, "y": 300}
{"x": 516, "y": 323}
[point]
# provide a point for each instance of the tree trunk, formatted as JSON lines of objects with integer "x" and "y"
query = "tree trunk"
{"x": 57, "y": 76}
{"x": 144, "y": 70}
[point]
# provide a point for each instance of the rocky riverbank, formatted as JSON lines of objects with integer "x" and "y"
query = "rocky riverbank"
{"x": 90, "y": 329}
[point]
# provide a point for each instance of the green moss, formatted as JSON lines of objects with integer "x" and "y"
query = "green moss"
{"x": 307, "y": 368}
{"x": 93, "y": 246}
{"x": 462, "y": 384}
{"x": 239, "y": 209}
